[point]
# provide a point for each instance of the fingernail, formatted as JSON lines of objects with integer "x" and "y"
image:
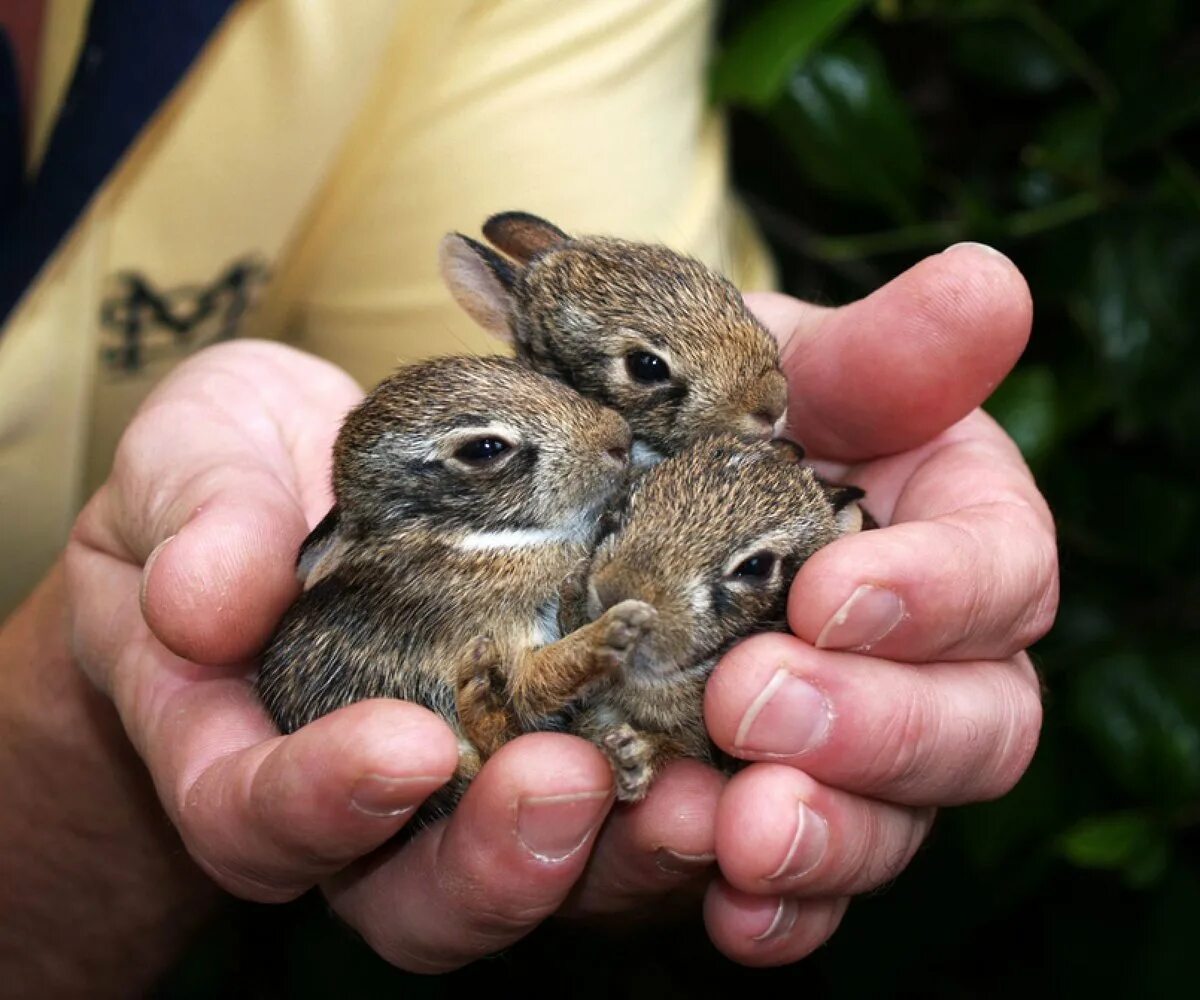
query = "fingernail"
{"x": 866, "y": 618}
{"x": 782, "y": 921}
{"x": 553, "y": 827}
{"x": 977, "y": 246}
{"x": 807, "y": 847}
{"x": 148, "y": 565}
{"x": 678, "y": 863}
{"x": 789, "y": 717}
{"x": 386, "y": 797}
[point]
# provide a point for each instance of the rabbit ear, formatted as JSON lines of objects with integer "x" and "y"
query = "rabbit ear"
{"x": 521, "y": 235}
{"x": 321, "y": 550}
{"x": 789, "y": 451}
{"x": 480, "y": 280}
{"x": 848, "y": 515}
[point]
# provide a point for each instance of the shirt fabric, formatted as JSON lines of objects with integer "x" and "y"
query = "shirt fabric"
{"x": 296, "y": 181}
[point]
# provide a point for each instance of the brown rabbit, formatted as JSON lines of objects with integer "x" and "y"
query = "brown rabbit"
{"x": 467, "y": 490}
{"x": 709, "y": 540}
{"x": 662, "y": 339}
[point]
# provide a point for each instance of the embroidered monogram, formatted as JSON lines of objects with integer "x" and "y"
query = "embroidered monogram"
{"x": 142, "y": 324}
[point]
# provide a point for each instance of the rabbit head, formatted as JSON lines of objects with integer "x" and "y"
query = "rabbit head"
{"x": 712, "y": 538}
{"x": 656, "y": 335}
{"x": 477, "y": 444}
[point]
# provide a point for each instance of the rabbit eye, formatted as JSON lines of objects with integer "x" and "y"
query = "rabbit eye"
{"x": 646, "y": 367}
{"x": 482, "y": 450}
{"x": 757, "y": 567}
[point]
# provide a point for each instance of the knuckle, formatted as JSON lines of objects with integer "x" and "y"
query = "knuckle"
{"x": 882, "y": 848}
{"x": 859, "y": 864}
{"x": 1015, "y": 596}
{"x": 244, "y": 883}
{"x": 142, "y": 438}
{"x": 491, "y": 916}
{"x": 1017, "y": 736}
{"x": 902, "y": 750}
{"x": 398, "y": 952}
{"x": 1044, "y": 609}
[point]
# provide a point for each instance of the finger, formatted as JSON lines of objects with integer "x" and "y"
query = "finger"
{"x": 219, "y": 477}
{"x": 779, "y": 832}
{"x": 768, "y": 930}
{"x": 968, "y": 569}
{"x": 503, "y": 861}
{"x": 266, "y": 816}
{"x": 891, "y": 371}
{"x": 213, "y": 588}
{"x": 660, "y": 846}
{"x": 269, "y": 816}
{"x": 935, "y": 734}
{"x": 272, "y": 819}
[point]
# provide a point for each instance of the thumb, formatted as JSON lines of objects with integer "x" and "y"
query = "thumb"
{"x": 893, "y": 370}
{"x": 214, "y": 486}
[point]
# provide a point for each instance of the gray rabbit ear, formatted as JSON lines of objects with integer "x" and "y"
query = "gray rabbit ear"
{"x": 522, "y": 236}
{"x": 848, "y": 515}
{"x": 788, "y": 450}
{"x": 322, "y": 550}
{"x": 480, "y": 280}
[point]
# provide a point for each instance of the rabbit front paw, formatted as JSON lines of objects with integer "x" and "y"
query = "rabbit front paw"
{"x": 625, "y": 625}
{"x": 481, "y": 696}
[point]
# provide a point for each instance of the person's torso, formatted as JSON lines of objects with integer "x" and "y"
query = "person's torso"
{"x": 295, "y": 185}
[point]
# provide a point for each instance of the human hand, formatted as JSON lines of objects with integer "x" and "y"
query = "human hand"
{"x": 219, "y": 478}
{"x": 179, "y": 569}
{"x": 905, "y": 686}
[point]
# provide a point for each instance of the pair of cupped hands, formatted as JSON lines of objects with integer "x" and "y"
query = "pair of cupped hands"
{"x": 905, "y": 686}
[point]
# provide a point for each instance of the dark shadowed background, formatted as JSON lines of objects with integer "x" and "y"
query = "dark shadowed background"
{"x": 866, "y": 135}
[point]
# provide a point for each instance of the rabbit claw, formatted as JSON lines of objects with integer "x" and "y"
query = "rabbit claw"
{"x": 632, "y": 759}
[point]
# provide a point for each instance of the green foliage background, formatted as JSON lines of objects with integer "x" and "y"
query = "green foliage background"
{"x": 1067, "y": 135}
{"x": 866, "y": 135}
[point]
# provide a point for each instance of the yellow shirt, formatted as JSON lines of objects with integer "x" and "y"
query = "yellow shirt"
{"x": 320, "y": 149}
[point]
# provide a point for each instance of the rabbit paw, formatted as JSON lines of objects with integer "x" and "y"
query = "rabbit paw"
{"x": 481, "y": 697}
{"x": 632, "y": 759}
{"x": 624, "y": 626}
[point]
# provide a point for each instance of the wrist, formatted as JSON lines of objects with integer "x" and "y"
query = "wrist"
{"x": 100, "y": 889}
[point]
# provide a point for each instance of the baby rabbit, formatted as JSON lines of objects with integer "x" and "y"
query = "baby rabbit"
{"x": 662, "y": 339}
{"x": 467, "y": 490}
{"x": 709, "y": 540}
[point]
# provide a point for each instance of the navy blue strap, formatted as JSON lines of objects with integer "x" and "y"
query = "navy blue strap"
{"x": 135, "y": 51}
{"x": 11, "y": 163}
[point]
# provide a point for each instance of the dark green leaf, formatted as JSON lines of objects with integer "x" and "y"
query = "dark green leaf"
{"x": 755, "y": 66}
{"x": 1139, "y": 728}
{"x": 1107, "y": 841}
{"x": 1131, "y": 843}
{"x": 1068, "y": 143}
{"x": 849, "y": 129}
{"x": 1006, "y": 55}
{"x": 1155, "y": 112}
{"x": 1025, "y": 403}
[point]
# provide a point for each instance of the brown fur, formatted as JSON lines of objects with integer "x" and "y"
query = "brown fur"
{"x": 577, "y": 308}
{"x": 682, "y": 529}
{"x": 400, "y": 590}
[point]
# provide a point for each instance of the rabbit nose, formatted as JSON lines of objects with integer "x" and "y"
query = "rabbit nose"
{"x": 607, "y": 590}
{"x": 758, "y": 425}
{"x": 618, "y": 455}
